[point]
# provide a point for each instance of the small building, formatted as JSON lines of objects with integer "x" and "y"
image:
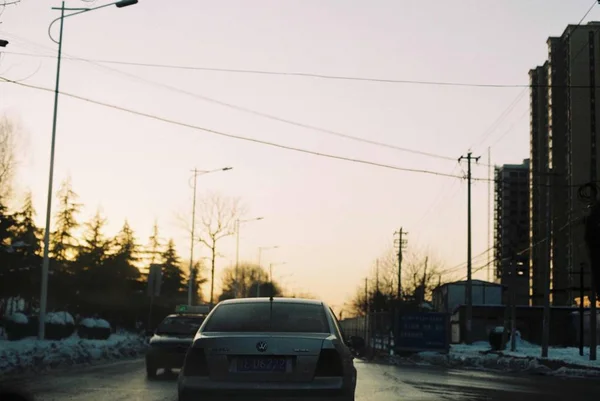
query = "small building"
{"x": 447, "y": 297}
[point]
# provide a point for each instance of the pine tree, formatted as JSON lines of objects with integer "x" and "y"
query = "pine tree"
{"x": 197, "y": 281}
{"x": 94, "y": 250}
{"x": 10, "y": 280}
{"x": 25, "y": 249}
{"x": 173, "y": 280}
{"x": 123, "y": 262}
{"x": 154, "y": 246}
{"x": 25, "y": 234}
{"x": 63, "y": 242}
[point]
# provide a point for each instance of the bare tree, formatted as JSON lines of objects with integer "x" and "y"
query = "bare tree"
{"x": 421, "y": 274}
{"x": 8, "y": 161}
{"x": 248, "y": 280}
{"x": 217, "y": 219}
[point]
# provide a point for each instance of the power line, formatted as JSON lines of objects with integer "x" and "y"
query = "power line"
{"x": 238, "y": 137}
{"x": 283, "y": 73}
{"x": 301, "y": 74}
{"x": 232, "y": 136}
{"x": 501, "y": 118}
{"x": 266, "y": 115}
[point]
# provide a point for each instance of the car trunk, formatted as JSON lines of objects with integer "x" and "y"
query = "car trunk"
{"x": 273, "y": 357}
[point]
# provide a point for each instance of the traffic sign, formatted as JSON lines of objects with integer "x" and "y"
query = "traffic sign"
{"x": 424, "y": 331}
{"x": 195, "y": 309}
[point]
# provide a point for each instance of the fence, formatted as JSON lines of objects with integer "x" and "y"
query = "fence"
{"x": 376, "y": 329}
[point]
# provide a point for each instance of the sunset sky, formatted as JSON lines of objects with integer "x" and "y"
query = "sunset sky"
{"x": 330, "y": 218}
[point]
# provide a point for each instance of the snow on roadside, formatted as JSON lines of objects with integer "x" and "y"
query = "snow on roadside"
{"x": 527, "y": 358}
{"x": 31, "y": 355}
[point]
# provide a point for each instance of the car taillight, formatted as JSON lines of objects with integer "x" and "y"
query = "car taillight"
{"x": 329, "y": 364}
{"x": 195, "y": 363}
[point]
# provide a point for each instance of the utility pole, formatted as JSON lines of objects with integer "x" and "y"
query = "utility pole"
{"x": 581, "y": 307}
{"x": 400, "y": 242}
{"x": 376, "y": 276}
{"x": 367, "y": 311}
{"x": 469, "y": 294}
{"x": 593, "y": 178}
{"x": 513, "y": 305}
{"x": 546, "y": 270}
{"x": 192, "y": 239}
{"x": 489, "y": 216}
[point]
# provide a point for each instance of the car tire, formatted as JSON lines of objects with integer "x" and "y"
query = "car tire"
{"x": 150, "y": 371}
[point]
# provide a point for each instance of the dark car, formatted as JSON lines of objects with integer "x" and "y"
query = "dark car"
{"x": 171, "y": 341}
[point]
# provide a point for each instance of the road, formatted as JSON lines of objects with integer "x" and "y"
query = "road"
{"x": 126, "y": 380}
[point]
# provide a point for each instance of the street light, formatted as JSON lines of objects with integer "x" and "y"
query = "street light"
{"x": 264, "y": 248}
{"x": 46, "y": 262}
{"x": 3, "y": 43}
{"x": 271, "y": 274}
{"x": 260, "y": 249}
{"x": 196, "y": 173}
{"x": 237, "y": 248}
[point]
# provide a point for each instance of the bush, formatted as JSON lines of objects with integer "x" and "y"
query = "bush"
{"x": 59, "y": 325}
{"x": 17, "y": 326}
{"x": 496, "y": 339}
{"x": 94, "y": 329}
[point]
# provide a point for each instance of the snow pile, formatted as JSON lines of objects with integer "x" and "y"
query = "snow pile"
{"x": 31, "y": 355}
{"x": 60, "y": 318}
{"x": 102, "y": 324}
{"x": 18, "y": 318}
{"x": 526, "y": 358}
{"x": 88, "y": 322}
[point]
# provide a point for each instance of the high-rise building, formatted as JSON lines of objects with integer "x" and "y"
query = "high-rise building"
{"x": 511, "y": 242}
{"x": 563, "y": 127}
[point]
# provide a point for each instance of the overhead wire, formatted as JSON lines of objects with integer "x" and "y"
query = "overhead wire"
{"x": 267, "y": 115}
{"x": 284, "y": 73}
{"x": 438, "y": 198}
{"x": 227, "y": 135}
{"x": 234, "y": 136}
{"x": 296, "y": 74}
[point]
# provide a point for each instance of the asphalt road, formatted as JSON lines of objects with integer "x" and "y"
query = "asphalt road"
{"x": 126, "y": 380}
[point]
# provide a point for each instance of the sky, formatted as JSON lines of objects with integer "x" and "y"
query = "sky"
{"x": 330, "y": 218}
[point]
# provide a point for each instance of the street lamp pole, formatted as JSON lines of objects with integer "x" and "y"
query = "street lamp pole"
{"x": 237, "y": 249}
{"x": 271, "y": 275}
{"x": 191, "y": 275}
{"x": 260, "y": 249}
{"x": 46, "y": 260}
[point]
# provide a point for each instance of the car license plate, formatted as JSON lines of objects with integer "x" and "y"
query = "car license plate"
{"x": 262, "y": 364}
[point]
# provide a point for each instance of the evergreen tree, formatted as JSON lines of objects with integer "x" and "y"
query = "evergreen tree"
{"x": 90, "y": 278}
{"x": 123, "y": 261}
{"x": 173, "y": 280}
{"x": 25, "y": 250}
{"x": 63, "y": 241}
{"x": 154, "y": 246}
{"x": 94, "y": 249}
{"x": 10, "y": 280}
{"x": 197, "y": 281}
{"x": 25, "y": 234}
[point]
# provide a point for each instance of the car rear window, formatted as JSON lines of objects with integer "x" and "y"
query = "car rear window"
{"x": 179, "y": 325}
{"x": 276, "y": 317}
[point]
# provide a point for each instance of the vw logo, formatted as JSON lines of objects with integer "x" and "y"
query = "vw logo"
{"x": 261, "y": 346}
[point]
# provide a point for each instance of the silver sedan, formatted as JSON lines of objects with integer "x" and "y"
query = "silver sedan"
{"x": 269, "y": 348}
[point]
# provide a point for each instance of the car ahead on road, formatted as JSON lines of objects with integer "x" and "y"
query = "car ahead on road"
{"x": 172, "y": 338}
{"x": 269, "y": 348}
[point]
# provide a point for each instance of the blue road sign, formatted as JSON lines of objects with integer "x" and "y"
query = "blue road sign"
{"x": 423, "y": 331}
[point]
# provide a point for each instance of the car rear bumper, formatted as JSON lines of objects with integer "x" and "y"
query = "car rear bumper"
{"x": 165, "y": 359}
{"x": 325, "y": 389}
